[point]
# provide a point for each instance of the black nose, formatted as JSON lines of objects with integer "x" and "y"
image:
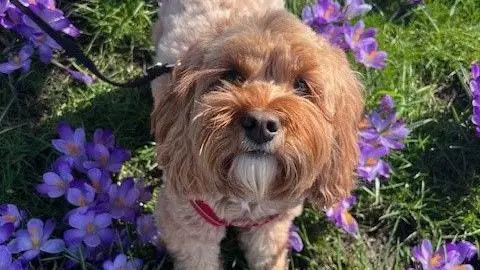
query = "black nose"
{"x": 260, "y": 127}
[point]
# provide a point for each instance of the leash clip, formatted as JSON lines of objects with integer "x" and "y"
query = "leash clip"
{"x": 161, "y": 68}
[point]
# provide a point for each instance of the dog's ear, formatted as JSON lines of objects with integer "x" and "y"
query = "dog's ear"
{"x": 170, "y": 121}
{"x": 345, "y": 95}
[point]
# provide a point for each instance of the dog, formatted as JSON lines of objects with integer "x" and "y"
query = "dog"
{"x": 260, "y": 116}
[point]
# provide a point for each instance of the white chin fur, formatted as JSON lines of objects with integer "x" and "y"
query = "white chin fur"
{"x": 255, "y": 172}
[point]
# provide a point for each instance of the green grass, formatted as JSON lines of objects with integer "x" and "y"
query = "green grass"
{"x": 433, "y": 193}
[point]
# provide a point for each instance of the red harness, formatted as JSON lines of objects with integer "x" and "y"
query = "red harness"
{"x": 207, "y": 213}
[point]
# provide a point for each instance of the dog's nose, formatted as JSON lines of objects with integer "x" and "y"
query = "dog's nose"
{"x": 260, "y": 127}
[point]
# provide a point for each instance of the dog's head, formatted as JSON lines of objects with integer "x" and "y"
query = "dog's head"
{"x": 265, "y": 109}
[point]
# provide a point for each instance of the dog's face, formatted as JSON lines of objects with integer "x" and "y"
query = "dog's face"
{"x": 261, "y": 110}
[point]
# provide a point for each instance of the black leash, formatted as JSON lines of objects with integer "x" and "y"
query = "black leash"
{"x": 73, "y": 50}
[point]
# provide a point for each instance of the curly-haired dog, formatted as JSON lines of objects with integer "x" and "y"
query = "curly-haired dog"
{"x": 261, "y": 115}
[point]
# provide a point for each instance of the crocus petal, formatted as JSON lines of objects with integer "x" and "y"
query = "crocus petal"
{"x": 103, "y": 220}
{"x": 475, "y": 71}
{"x": 74, "y": 236}
{"x": 35, "y": 228}
{"x": 45, "y": 53}
{"x": 295, "y": 241}
{"x": 51, "y": 191}
{"x": 72, "y": 31}
{"x": 132, "y": 196}
{"x": 75, "y": 197}
{"x": 81, "y": 77}
{"x": 6, "y": 230}
{"x": 53, "y": 246}
{"x": 48, "y": 229}
{"x": 29, "y": 255}
{"x": 65, "y": 131}
{"x": 423, "y": 252}
{"x": 106, "y": 236}
{"x": 60, "y": 145}
{"x": 20, "y": 244}
{"x": 92, "y": 240}
{"x": 349, "y": 223}
{"x": 8, "y": 67}
{"x": 5, "y": 257}
{"x": 135, "y": 264}
{"x": 79, "y": 221}
{"x": 52, "y": 178}
{"x": 108, "y": 265}
{"x": 120, "y": 260}
{"x": 79, "y": 136}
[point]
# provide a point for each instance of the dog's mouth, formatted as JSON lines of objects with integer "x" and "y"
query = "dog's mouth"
{"x": 227, "y": 163}
{"x": 254, "y": 171}
{"x": 257, "y": 153}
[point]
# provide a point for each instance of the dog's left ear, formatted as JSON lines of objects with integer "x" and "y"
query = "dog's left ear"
{"x": 345, "y": 94}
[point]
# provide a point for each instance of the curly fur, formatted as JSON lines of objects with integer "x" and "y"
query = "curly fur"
{"x": 201, "y": 144}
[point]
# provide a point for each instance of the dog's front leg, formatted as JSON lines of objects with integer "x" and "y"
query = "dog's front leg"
{"x": 192, "y": 242}
{"x": 266, "y": 247}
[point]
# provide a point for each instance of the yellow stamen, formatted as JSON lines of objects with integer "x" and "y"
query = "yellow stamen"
{"x": 90, "y": 228}
{"x": 371, "y": 161}
{"x": 329, "y": 11}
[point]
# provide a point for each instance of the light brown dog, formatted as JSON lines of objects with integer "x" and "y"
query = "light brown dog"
{"x": 261, "y": 115}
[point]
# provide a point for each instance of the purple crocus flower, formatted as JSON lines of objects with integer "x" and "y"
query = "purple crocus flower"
{"x": 382, "y": 128}
{"x": 475, "y": 89}
{"x": 370, "y": 164}
{"x": 146, "y": 229}
{"x": 20, "y": 61}
{"x": 387, "y": 104}
{"x": 322, "y": 12}
{"x": 90, "y": 228}
{"x": 80, "y": 194}
{"x": 354, "y": 8}
{"x": 339, "y": 215}
{"x": 80, "y": 76}
{"x": 9, "y": 214}
{"x": 100, "y": 180}
{"x": 46, "y": 46}
{"x": 4, "y": 6}
{"x": 357, "y": 34}
{"x": 294, "y": 240}
{"x": 71, "y": 30}
{"x": 123, "y": 200}
{"x": 368, "y": 54}
{"x": 333, "y": 34}
{"x": 53, "y": 17}
{"x": 450, "y": 256}
{"x": 466, "y": 251}
{"x": 144, "y": 190}
{"x": 6, "y": 261}
{"x": 50, "y": 4}
{"x": 56, "y": 184}
{"x": 390, "y": 131}
{"x": 36, "y": 239}
{"x": 121, "y": 262}
{"x": 71, "y": 143}
{"x": 6, "y": 231}
{"x": 102, "y": 158}
{"x": 104, "y": 137}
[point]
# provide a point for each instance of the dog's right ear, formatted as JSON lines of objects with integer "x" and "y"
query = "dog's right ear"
{"x": 173, "y": 98}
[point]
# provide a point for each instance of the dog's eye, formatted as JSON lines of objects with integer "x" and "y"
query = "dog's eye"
{"x": 301, "y": 87}
{"x": 233, "y": 76}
